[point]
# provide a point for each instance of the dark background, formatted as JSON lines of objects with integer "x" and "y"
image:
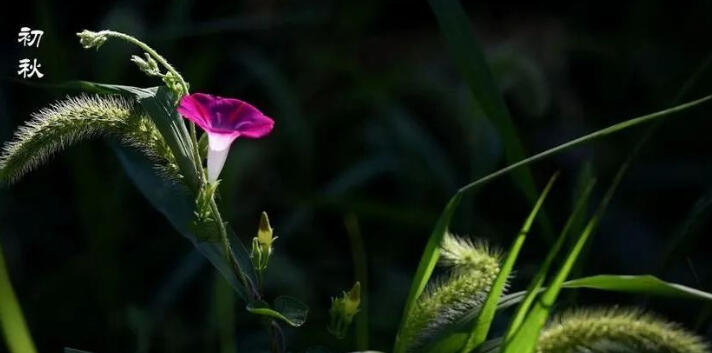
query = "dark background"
{"x": 372, "y": 119}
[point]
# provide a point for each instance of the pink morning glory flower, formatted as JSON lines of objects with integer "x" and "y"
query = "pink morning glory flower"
{"x": 224, "y": 120}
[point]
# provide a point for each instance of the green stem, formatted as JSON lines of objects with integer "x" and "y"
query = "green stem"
{"x": 253, "y": 291}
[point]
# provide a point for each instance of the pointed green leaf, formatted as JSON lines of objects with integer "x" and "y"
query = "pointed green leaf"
{"x": 643, "y": 284}
{"x": 177, "y": 206}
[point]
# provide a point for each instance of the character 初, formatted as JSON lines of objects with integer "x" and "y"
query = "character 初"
{"x": 29, "y": 37}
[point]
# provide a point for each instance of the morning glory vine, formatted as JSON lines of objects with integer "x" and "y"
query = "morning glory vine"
{"x": 161, "y": 123}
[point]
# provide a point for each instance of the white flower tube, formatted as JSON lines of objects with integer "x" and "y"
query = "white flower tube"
{"x": 218, "y": 148}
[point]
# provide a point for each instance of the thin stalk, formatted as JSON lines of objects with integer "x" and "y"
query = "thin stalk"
{"x": 254, "y": 293}
{"x": 277, "y": 335}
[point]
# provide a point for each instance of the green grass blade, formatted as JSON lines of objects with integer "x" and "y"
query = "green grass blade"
{"x": 482, "y": 324}
{"x": 14, "y": 328}
{"x": 586, "y": 138}
{"x": 471, "y": 61}
{"x": 427, "y": 263}
{"x": 540, "y": 276}
{"x": 633, "y": 284}
{"x": 643, "y": 284}
{"x": 525, "y": 339}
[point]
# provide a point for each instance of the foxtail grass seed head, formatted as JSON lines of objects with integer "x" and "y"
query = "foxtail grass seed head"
{"x": 60, "y": 125}
{"x": 74, "y": 119}
{"x": 463, "y": 252}
{"x": 597, "y": 330}
{"x": 343, "y": 309}
{"x": 90, "y": 39}
{"x": 473, "y": 268}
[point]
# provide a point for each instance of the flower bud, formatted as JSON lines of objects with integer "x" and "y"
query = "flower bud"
{"x": 343, "y": 310}
{"x": 262, "y": 244}
{"x": 90, "y": 39}
{"x": 148, "y": 66}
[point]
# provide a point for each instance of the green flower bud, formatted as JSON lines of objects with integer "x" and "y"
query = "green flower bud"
{"x": 90, "y": 39}
{"x": 343, "y": 310}
{"x": 262, "y": 244}
{"x": 148, "y": 66}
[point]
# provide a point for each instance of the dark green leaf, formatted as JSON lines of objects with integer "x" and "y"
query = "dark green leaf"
{"x": 177, "y": 206}
{"x": 159, "y": 103}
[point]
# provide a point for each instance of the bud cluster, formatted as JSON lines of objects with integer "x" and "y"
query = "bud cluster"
{"x": 343, "y": 309}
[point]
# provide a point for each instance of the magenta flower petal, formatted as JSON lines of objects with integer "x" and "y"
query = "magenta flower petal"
{"x": 224, "y": 120}
{"x": 225, "y": 115}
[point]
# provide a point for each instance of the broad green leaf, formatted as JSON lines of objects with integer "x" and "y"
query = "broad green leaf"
{"x": 525, "y": 338}
{"x": 427, "y": 263}
{"x": 287, "y": 309}
{"x": 481, "y": 325}
{"x": 538, "y": 279}
{"x": 177, "y": 206}
{"x": 159, "y": 103}
{"x": 14, "y": 328}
